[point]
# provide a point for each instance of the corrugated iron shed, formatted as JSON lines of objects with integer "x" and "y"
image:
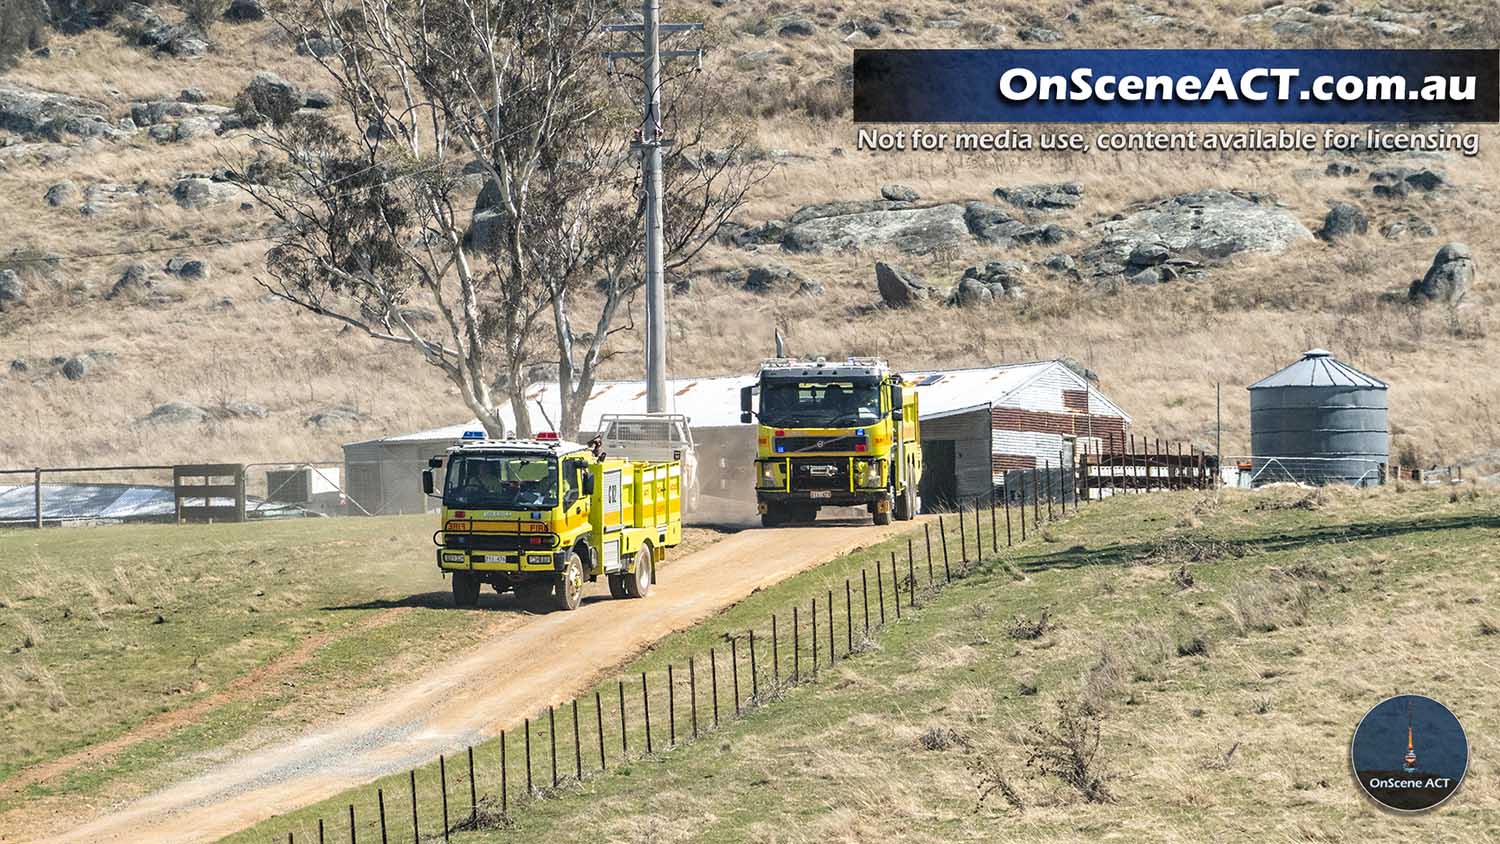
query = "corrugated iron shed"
{"x": 714, "y": 402}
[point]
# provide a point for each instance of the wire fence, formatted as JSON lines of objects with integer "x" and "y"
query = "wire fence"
{"x": 640, "y": 716}
{"x": 78, "y": 495}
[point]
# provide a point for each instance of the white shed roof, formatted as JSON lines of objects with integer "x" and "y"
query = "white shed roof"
{"x": 714, "y": 402}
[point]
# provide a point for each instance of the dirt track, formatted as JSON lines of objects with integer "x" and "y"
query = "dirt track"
{"x": 545, "y": 659}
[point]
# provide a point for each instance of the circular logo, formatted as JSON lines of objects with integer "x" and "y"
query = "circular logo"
{"x": 1409, "y": 753}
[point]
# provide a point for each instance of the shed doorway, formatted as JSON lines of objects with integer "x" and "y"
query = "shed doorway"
{"x": 939, "y": 486}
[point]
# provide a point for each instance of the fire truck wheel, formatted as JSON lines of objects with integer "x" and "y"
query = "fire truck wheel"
{"x": 638, "y": 583}
{"x": 617, "y": 586}
{"x": 567, "y": 592}
{"x": 904, "y": 508}
{"x": 773, "y": 517}
{"x": 465, "y": 589}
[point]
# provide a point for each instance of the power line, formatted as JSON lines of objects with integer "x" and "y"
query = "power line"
{"x": 649, "y": 144}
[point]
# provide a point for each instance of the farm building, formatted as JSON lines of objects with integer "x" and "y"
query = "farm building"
{"x": 976, "y": 424}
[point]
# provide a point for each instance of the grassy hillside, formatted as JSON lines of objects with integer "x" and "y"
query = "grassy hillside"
{"x": 1220, "y": 649}
{"x": 124, "y": 651}
{"x": 215, "y": 628}
{"x": 1159, "y": 350}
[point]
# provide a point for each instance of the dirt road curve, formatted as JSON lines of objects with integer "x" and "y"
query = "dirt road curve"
{"x": 545, "y": 659}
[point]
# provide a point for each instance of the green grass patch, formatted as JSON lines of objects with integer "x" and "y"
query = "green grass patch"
{"x": 1201, "y": 668}
{"x": 103, "y": 629}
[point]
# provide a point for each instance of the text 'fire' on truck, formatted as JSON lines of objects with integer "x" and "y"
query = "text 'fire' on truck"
{"x": 542, "y": 516}
{"x": 834, "y": 435}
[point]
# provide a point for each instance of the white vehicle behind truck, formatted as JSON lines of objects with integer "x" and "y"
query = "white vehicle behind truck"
{"x": 654, "y": 438}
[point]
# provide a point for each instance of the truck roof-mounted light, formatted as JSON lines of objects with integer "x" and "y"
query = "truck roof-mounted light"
{"x": 548, "y": 435}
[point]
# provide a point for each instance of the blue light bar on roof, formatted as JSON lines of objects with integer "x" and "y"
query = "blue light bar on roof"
{"x": 473, "y": 435}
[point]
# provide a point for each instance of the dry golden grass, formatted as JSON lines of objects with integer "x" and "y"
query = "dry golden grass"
{"x": 1158, "y": 351}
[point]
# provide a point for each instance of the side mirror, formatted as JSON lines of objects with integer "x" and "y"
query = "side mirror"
{"x": 896, "y": 402}
{"x": 745, "y": 416}
{"x": 747, "y": 400}
{"x": 427, "y": 481}
{"x": 588, "y": 483}
{"x": 434, "y": 462}
{"x": 896, "y": 414}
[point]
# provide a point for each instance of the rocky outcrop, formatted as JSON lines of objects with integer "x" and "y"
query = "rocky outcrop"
{"x": 899, "y": 193}
{"x": 990, "y": 282}
{"x": 183, "y": 40}
{"x": 1043, "y": 197}
{"x": 244, "y": 11}
{"x": 12, "y": 290}
{"x": 843, "y": 208}
{"x": 318, "y": 45}
{"x": 268, "y": 97}
{"x": 196, "y": 192}
{"x": 914, "y": 231}
{"x": 1060, "y": 263}
{"x": 234, "y": 409}
{"x": 898, "y": 287}
{"x": 1321, "y": 17}
{"x": 1409, "y": 226}
{"x": 1039, "y": 35}
{"x": 61, "y": 194}
{"x": 1210, "y": 224}
{"x": 487, "y": 229}
{"x": 1448, "y": 279}
{"x": 191, "y": 269}
{"x": 77, "y": 367}
{"x": 797, "y": 28}
{"x": 1398, "y": 182}
{"x": 777, "y": 278}
{"x": 993, "y": 224}
{"x": 105, "y": 197}
{"x": 45, "y": 115}
{"x": 153, "y": 112}
{"x": 173, "y": 414}
{"x": 969, "y": 292}
{"x": 337, "y": 418}
{"x": 1343, "y": 220}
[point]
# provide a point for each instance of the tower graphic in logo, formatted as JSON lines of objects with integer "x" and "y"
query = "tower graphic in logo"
{"x": 1409, "y": 761}
{"x": 1401, "y": 781}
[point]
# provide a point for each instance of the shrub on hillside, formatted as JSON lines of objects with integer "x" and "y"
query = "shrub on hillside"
{"x": 23, "y": 27}
{"x": 203, "y": 13}
{"x": 1069, "y": 750}
{"x": 78, "y": 15}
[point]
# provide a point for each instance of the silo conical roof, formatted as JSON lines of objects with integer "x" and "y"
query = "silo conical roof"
{"x": 1319, "y": 368}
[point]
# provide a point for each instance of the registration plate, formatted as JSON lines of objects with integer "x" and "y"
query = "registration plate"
{"x": 821, "y": 493}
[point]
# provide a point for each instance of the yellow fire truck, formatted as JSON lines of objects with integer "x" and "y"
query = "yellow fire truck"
{"x": 542, "y": 516}
{"x": 834, "y": 435}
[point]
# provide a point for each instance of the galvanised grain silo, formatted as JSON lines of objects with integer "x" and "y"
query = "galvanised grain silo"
{"x": 1319, "y": 421}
